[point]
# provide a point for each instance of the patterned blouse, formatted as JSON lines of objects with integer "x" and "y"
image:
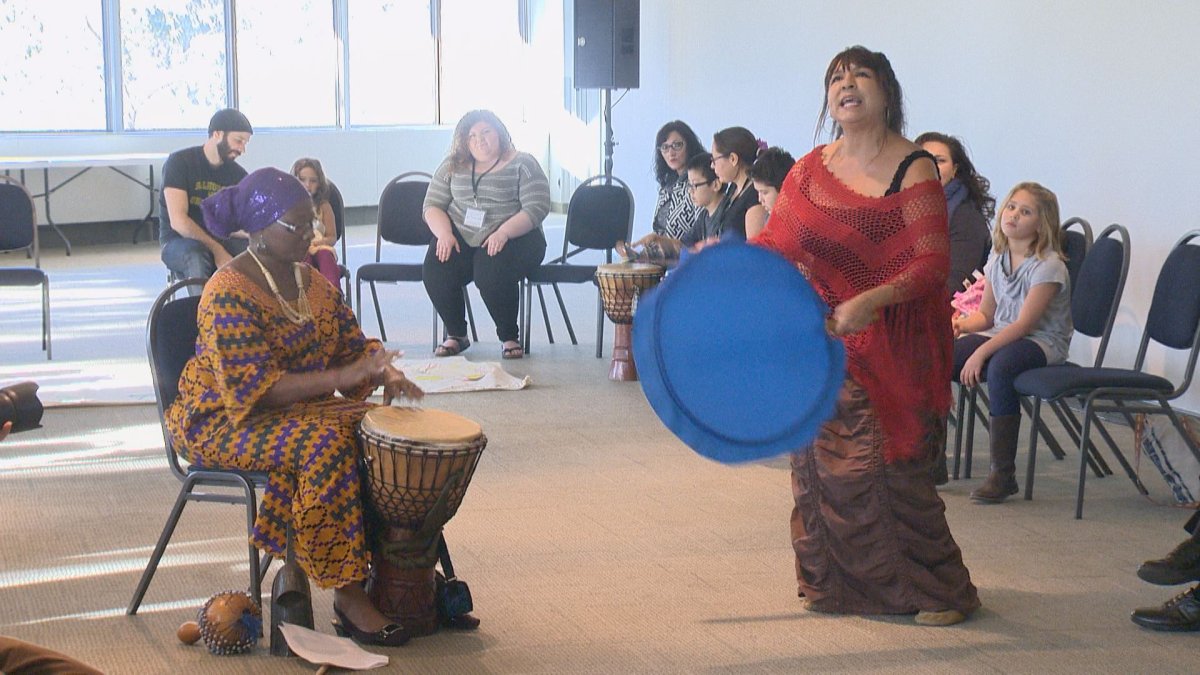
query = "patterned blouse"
{"x": 675, "y": 212}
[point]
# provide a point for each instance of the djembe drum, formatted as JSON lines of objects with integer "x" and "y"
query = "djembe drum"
{"x": 620, "y": 284}
{"x": 417, "y": 465}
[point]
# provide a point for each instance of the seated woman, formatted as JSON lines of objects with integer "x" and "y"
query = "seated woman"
{"x": 320, "y": 253}
{"x": 674, "y": 147}
{"x": 768, "y": 172}
{"x": 968, "y": 202}
{"x": 276, "y": 345}
{"x": 734, "y": 149}
{"x": 704, "y": 185}
{"x": 485, "y": 205}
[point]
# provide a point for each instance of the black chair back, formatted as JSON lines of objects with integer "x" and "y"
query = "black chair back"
{"x": 599, "y": 215}
{"x": 339, "y": 214}
{"x": 1076, "y": 241}
{"x": 171, "y": 333}
{"x": 401, "y": 218}
{"x": 17, "y": 218}
{"x": 1096, "y": 293}
{"x": 1175, "y": 310}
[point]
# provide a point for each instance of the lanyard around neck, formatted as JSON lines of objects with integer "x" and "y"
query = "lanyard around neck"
{"x": 476, "y": 181}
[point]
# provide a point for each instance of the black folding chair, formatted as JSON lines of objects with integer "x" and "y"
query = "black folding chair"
{"x": 1094, "y": 305}
{"x": 339, "y": 218}
{"x": 170, "y": 341}
{"x": 401, "y": 221}
{"x": 599, "y": 215}
{"x": 973, "y": 401}
{"x": 18, "y": 232}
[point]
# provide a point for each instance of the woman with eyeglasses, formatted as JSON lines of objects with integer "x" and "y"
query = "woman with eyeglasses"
{"x": 674, "y": 145}
{"x": 278, "y": 384}
{"x": 733, "y": 153}
{"x": 485, "y": 206}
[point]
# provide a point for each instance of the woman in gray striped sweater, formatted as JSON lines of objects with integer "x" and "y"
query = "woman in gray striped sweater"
{"x": 485, "y": 206}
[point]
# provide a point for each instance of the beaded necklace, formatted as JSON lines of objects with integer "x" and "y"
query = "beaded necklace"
{"x": 302, "y": 313}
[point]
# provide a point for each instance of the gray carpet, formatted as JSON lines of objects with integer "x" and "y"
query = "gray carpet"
{"x": 593, "y": 541}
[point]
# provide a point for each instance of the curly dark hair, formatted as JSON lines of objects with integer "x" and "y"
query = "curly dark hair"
{"x": 460, "y": 150}
{"x": 772, "y": 166}
{"x": 865, "y": 58}
{"x": 665, "y": 174}
{"x": 978, "y": 187}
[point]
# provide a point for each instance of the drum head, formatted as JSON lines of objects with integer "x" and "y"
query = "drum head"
{"x": 628, "y": 269}
{"x": 425, "y": 425}
{"x": 733, "y": 354}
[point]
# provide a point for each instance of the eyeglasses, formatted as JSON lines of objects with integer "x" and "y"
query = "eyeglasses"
{"x": 674, "y": 145}
{"x": 716, "y": 157}
{"x": 312, "y": 226}
{"x": 697, "y": 186}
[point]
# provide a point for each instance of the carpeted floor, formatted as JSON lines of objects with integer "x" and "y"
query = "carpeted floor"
{"x": 592, "y": 540}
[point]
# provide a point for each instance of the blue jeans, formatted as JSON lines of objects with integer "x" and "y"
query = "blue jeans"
{"x": 187, "y": 258}
{"x": 1001, "y": 370}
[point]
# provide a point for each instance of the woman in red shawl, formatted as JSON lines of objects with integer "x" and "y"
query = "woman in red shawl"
{"x": 864, "y": 217}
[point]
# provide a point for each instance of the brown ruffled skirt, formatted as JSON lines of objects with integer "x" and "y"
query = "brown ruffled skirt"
{"x": 870, "y": 537}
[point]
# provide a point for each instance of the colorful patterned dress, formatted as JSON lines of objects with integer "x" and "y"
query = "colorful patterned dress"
{"x": 310, "y": 448}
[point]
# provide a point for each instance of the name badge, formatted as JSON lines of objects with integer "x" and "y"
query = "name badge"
{"x": 474, "y": 217}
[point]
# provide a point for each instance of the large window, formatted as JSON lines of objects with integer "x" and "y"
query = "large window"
{"x": 52, "y": 72}
{"x": 173, "y": 62}
{"x": 134, "y": 65}
{"x": 481, "y": 59}
{"x": 287, "y": 63}
{"x": 392, "y": 63}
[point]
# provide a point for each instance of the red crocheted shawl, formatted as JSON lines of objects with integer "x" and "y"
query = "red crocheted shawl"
{"x": 847, "y": 243}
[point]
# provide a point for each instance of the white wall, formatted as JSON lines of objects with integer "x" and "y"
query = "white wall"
{"x": 1096, "y": 100}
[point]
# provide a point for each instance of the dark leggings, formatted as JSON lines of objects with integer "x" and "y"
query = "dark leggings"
{"x": 497, "y": 277}
{"x": 1001, "y": 369}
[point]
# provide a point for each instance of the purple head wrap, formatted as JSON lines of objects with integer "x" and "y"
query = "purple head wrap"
{"x": 254, "y": 203}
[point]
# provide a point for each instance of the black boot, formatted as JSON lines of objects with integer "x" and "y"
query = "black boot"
{"x": 1001, "y": 481}
{"x": 1180, "y": 566}
{"x": 1180, "y": 613}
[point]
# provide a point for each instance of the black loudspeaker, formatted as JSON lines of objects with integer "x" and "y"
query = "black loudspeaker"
{"x": 606, "y": 44}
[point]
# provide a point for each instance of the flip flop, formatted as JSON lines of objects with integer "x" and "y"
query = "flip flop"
{"x": 512, "y": 352}
{"x": 460, "y": 345}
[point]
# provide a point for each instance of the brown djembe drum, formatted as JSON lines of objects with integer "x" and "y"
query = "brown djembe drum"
{"x": 418, "y": 463}
{"x": 620, "y": 284}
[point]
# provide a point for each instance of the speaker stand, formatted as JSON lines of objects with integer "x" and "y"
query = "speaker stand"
{"x": 608, "y": 137}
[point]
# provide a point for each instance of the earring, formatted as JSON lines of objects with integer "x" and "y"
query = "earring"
{"x": 260, "y": 246}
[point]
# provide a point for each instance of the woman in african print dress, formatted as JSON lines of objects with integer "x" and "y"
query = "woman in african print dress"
{"x": 276, "y": 344}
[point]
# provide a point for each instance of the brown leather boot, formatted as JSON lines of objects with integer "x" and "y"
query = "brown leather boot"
{"x": 1001, "y": 481}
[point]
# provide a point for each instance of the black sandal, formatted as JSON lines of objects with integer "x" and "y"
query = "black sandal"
{"x": 460, "y": 345}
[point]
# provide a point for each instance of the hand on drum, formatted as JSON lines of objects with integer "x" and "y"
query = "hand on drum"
{"x": 397, "y": 386}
